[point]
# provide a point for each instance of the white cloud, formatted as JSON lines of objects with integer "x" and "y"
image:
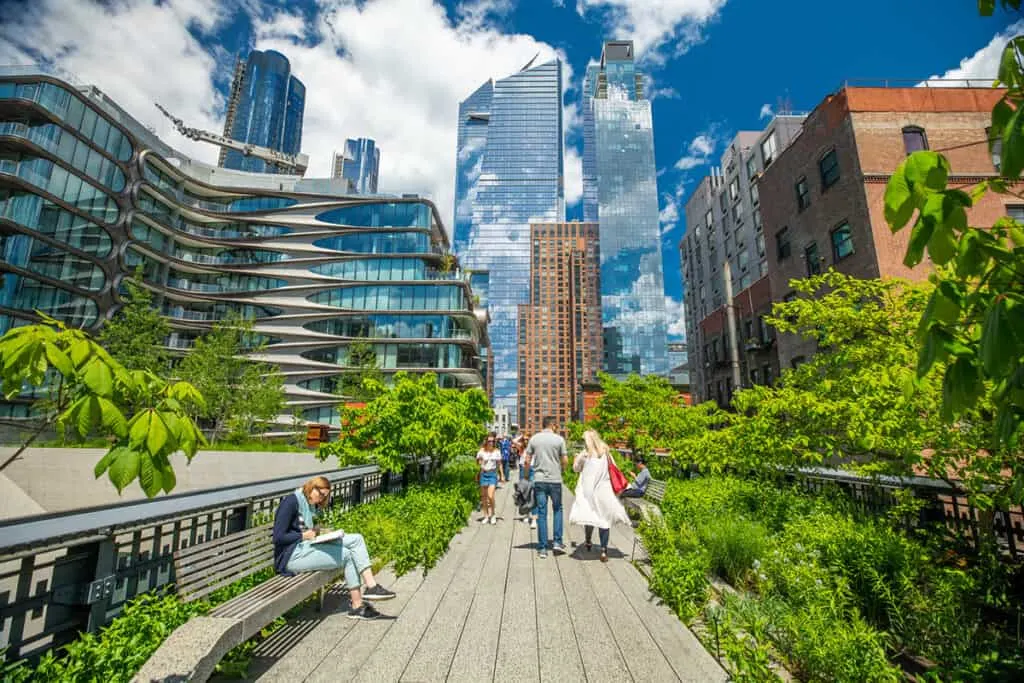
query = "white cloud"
{"x": 403, "y": 91}
{"x": 983, "y": 65}
{"x": 698, "y": 152}
{"x": 669, "y": 215}
{"x": 658, "y": 28}
{"x": 766, "y": 112}
{"x": 128, "y": 58}
{"x": 675, "y": 318}
{"x": 573, "y": 163}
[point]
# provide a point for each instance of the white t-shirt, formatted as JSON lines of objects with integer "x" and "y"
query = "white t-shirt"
{"x": 488, "y": 459}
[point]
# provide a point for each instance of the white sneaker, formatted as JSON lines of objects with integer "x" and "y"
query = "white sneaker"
{"x": 533, "y": 524}
{"x": 494, "y": 520}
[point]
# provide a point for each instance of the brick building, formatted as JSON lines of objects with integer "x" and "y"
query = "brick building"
{"x": 560, "y": 340}
{"x": 724, "y": 223}
{"x": 822, "y": 198}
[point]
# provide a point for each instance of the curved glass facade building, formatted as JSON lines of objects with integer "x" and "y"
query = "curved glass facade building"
{"x": 87, "y": 195}
{"x": 509, "y": 174}
{"x": 266, "y": 110}
{"x": 620, "y": 193}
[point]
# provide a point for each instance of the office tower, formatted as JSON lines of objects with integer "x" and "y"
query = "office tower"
{"x": 88, "y": 194}
{"x": 508, "y": 175}
{"x": 358, "y": 165}
{"x": 620, "y": 193}
{"x": 234, "y": 97}
{"x": 724, "y": 222}
{"x": 560, "y": 329}
{"x": 265, "y": 109}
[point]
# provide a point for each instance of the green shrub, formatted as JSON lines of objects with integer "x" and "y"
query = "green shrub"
{"x": 733, "y": 544}
{"x": 679, "y": 567}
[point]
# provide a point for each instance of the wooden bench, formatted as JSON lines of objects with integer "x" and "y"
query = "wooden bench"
{"x": 193, "y": 650}
{"x": 649, "y": 507}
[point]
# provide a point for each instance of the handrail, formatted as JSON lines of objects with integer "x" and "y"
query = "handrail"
{"x": 43, "y": 532}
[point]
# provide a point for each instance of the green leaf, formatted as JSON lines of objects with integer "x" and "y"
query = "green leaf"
{"x": 60, "y": 361}
{"x": 932, "y": 350}
{"x": 104, "y": 462}
{"x": 899, "y": 201}
{"x": 139, "y": 429}
{"x": 996, "y": 347}
{"x": 1013, "y": 145}
{"x": 111, "y": 417}
{"x": 986, "y": 7}
{"x": 919, "y": 237}
{"x": 970, "y": 259}
{"x": 926, "y": 172}
{"x": 99, "y": 378}
{"x": 942, "y": 245}
{"x": 961, "y": 387}
{"x": 124, "y": 468}
{"x": 1009, "y": 67}
{"x": 157, "y": 438}
{"x": 150, "y": 478}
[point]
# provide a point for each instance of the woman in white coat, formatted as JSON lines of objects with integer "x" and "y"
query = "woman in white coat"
{"x": 595, "y": 504}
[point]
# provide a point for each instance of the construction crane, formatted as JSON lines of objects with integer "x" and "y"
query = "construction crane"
{"x": 296, "y": 163}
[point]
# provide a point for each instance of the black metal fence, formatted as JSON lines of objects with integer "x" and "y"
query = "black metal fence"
{"x": 61, "y": 574}
{"x": 941, "y": 504}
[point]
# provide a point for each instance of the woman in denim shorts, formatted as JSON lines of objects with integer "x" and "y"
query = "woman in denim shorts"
{"x": 489, "y": 459}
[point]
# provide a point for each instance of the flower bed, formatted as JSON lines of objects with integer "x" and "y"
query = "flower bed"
{"x": 831, "y": 593}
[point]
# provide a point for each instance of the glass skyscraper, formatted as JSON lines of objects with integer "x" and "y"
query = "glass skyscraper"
{"x": 358, "y": 164}
{"x": 266, "y": 110}
{"x": 88, "y": 196}
{"x": 508, "y": 175}
{"x": 620, "y": 192}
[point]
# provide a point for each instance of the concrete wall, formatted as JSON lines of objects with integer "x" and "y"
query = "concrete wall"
{"x": 59, "y": 479}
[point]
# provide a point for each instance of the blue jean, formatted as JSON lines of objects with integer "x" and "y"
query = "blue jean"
{"x": 349, "y": 553}
{"x": 602, "y": 535}
{"x": 505, "y": 468}
{"x": 543, "y": 491}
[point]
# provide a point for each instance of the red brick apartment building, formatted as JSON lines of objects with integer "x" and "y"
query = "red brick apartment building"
{"x": 560, "y": 329}
{"x": 822, "y": 198}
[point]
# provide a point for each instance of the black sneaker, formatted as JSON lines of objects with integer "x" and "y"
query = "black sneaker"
{"x": 558, "y": 548}
{"x": 378, "y": 592}
{"x": 365, "y": 612}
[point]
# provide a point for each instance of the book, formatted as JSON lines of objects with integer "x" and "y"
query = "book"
{"x": 329, "y": 536}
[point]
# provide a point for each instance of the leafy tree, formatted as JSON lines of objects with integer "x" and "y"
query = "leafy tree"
{"x": 642, "y": 413}
{"x": 858, "y": 400}
{"x": 239, "y": 392}
{"x": 412, "y": 419}
{"x": 135, "y": 335}
{"x": 87, "y": 392}
{"x": 362, "y": 359}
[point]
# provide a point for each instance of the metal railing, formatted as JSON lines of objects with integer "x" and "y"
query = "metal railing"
{"x": 64, "y": 573}
{"x": 943, "y": 506}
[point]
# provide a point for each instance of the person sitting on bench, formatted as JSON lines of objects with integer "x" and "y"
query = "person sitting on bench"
{"x": 295, "y": 550}
{"x": 638, "y": 486}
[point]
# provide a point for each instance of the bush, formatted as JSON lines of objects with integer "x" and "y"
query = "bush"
{"x": 734, "y": 544}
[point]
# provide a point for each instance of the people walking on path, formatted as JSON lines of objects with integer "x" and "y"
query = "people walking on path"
{"x": 489, "y": 458}
{"x": 505, "y": 446}
{"x": 295, "y": 550}
{"x": 595, "y": 503}
{"x": 525, "y": 473}
{"x": 641, "y": 479}
{"x": 546, "y": 457}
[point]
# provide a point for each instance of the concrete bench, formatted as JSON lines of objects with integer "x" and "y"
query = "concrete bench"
{"x": 649, "y": 507}
{"x": 193, "y": 650}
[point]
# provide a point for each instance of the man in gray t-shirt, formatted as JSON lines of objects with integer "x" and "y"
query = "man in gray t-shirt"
{"x": 547, "y": 456}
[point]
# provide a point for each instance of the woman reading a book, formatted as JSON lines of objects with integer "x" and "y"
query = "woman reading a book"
{"x": 300, "y": 546}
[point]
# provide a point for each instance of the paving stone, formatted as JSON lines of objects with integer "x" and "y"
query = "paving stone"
{"x": 517, "y": 657}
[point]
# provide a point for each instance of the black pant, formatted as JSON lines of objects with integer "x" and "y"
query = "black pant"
{"x": 631, "y": 493}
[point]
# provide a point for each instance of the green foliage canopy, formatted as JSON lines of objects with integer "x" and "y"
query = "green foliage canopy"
{"x": 412, "y": 419}
{"x": 136, "y": 333}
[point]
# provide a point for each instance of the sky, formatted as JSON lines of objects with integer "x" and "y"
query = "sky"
{"x": 395, "y": 70}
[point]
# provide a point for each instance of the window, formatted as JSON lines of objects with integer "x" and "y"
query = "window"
{"x": 842, "y": 242}
{"x": 751, "y": 167}
{"x": 757, "y": 219}
{"x": 914, "y": 139}
{"x": 737, "y": 213}
{"x": 996, "y": 148}
{"x": 724, "y": 201}
{"x": 734, "y": 189}
{"x": 782, "y": 243}
{"x": 759, "y": 241}
{"x": 709, "y": 220}
{"x": 1016, "y": 212}
{"x": 766, "y": 372}
{"x": 812, "y": 258}
{"x": 743, "y": 259}
{"x": 829, "y": 168}
{"x": 803, "y": 194}
{"x": 754, "y": 379}
{"x": 768, "y": 149}
{"x": 755, "y": 197}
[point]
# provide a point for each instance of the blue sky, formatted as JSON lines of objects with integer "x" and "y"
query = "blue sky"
{"x": 396, "y": 69}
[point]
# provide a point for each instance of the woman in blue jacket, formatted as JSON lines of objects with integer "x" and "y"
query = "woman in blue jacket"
{"x": 294, "y": 552}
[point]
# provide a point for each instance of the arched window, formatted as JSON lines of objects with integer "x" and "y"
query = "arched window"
{"x": 914, "y": 139}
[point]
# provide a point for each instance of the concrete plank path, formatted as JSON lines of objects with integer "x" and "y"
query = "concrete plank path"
{"x": 491, "y": 610}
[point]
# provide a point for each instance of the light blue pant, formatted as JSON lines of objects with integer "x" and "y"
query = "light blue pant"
{"x": 349, "y": 553}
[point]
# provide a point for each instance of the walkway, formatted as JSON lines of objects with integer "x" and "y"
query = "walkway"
{"x": 492, "y": 611}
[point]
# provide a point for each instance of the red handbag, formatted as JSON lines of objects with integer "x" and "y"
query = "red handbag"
{"x": 619, "y": 482}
